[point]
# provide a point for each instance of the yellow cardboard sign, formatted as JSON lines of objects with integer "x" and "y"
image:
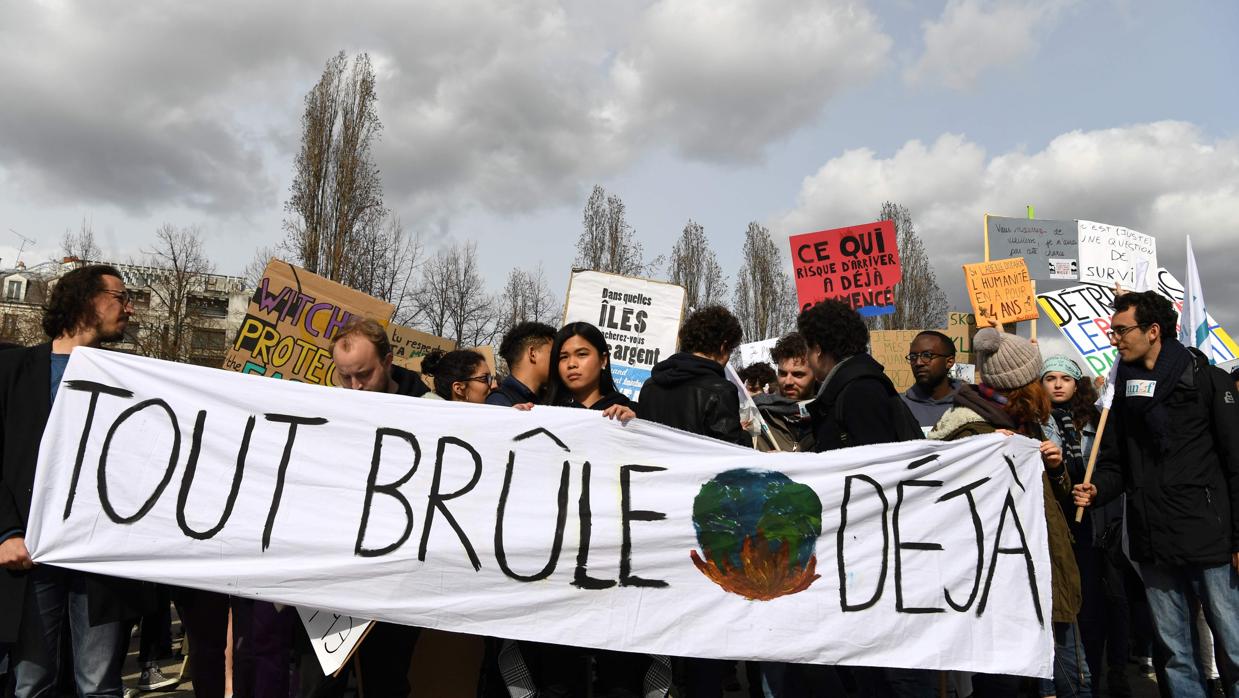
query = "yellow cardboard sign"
{"x": 1001, "y": 291}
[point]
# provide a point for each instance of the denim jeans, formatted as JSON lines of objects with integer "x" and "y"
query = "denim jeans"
{"x": 1170, "y": 591}
{"x": 52, "y": 595}
{"x": 1071, "y": 674}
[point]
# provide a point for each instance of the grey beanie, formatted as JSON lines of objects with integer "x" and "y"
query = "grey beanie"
{"x": 1006, "y": 361}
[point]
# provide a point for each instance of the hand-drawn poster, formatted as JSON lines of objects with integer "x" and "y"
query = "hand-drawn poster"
{"x": 1050, "y": 248}
{"x": 639, "y": 318}
{"x": 409, "y": 346}
{"x": 1082, "y": 313}
{"x": 890, "y": 348}
{"x": 1109, "y": 255}
{"x": 858, "y": 265}
{"x": 1000, "y": 291}
{"x": 291, "y": 321}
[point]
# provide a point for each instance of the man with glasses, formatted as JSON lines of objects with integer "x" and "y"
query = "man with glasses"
{"x": 1172, "y": 445}
{"x": 86, "y": 307}
{"x": 931, "y": 356}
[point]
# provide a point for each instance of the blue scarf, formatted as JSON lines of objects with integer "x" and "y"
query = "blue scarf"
{"x": 1172, "y": 361}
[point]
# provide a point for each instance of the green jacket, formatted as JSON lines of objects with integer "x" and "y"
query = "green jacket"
{"x": 961, "y": 422}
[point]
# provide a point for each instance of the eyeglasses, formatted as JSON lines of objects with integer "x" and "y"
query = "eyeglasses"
{"x": 484, "y": 378}
{"x": 924, "y": 357}
{"x": 1118, "y": 331}
{"x": 124, "y": 297}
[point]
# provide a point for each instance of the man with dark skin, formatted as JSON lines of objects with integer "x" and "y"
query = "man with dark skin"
{"x": 931, "y": 356}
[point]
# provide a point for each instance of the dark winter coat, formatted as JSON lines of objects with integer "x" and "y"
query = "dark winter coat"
{"x": 25, "y": 403}
{"x": 693, "y": 394}
{"x": 787, "y": 428}
{"x": 1182, "y": 505}
{"x": 408, "y": 382}
{"x": 864, "y": 389}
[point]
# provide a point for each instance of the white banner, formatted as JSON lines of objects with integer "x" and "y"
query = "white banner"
{"x": 554, "y": 525}
{"x": 757, "y": 352}
{"x": 639, "y": 318}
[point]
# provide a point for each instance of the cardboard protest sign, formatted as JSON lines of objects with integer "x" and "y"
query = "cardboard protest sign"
{"x": 333, "y": 636}
{"x": 291, "y": 321}
{"x": 1050, "y": 248}
{"x": 858, "y": 265}
{"x": 757, "y": 352}
{"x": 639, "y": 318}
{"x": 1000, "y": 291}
{"x": 446, "y": 515}
{"x": 409, "y": 346}
{"x": 488, "y": 353}
{"x": 890, "y": 348}
{"x": 961, "y": 328}
{"x": 1109, "y": 254}
{"x": 1082, "y": 313}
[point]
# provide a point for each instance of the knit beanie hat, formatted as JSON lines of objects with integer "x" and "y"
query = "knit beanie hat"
{"x": 1062, "y": 364}
{"x": 1006, "y": 361}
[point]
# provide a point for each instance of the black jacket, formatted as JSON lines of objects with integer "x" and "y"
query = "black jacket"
{"x": 1183, "y": 505}
{"x": 693, "y": 394}
{"x": 25, "y": 403}
{"x": 408, "y": 382}
{"x": 866, "y": 411}
{"x": 511, "y": 392}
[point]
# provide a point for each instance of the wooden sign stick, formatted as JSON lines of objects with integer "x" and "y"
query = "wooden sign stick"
{"x": 1092, "y": 457}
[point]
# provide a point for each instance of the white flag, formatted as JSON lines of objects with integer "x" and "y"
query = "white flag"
{"x": 1193, "y": 320}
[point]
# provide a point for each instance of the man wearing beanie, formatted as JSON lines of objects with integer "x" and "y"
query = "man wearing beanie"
{"x": 1172, "y": 444}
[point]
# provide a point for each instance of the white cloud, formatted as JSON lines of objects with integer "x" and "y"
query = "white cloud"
{"x": 721, "y": 79}
{"x": 1165, "y": 178}
{"x": 972, "y": 36}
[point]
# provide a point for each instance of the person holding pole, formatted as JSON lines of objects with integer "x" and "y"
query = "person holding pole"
{"x": 1173, "y": 447}
{"x": 1103, "y": 617}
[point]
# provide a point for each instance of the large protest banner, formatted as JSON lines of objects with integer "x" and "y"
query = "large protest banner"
{"x": 640, "y": 319}
{"x": 1050, "y": 248}
{"x": 554, "y": 525}
{"x": 1082, "y": 313}
{"x": 1110, "y": 254}
{"x": 291, "y": 320}
{"x": 409, "y": 346}
{"x": 890, "y": 348}
{"x": 1001, "y": 291}
{"x": 858, "y": 265}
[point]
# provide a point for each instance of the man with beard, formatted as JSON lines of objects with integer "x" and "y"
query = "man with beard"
{"x": 931, "y": 355}
{"x": 87, "y": 306}
{"x": 790, "y": 427}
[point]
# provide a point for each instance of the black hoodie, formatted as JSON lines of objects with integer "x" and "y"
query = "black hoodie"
{"x": 691, "y": 393}
{"x": 866, "y": 414}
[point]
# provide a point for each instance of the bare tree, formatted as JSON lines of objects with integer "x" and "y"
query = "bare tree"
{"x": 81, "y": 244}
{"x": 257, "y": 265}
{"x": 336, "y": 202}
{"x": 765, "y": 300}
{"x": 694, "y": 266}
{"x": 607, "y": 242}
{"x": 385, "y": 269}
{"x": 451, "y": 299}
{"x": 526, "y": 297}
{"x": 175, "y": 283}
{"x": 919, "y": 302}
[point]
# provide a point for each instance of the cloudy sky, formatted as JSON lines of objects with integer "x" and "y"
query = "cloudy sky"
{"x": 500, "y": 116}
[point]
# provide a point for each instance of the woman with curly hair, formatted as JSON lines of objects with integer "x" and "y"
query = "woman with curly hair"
{"x": 1011, "y": 399}
{"x": 460, "y": 375}
{"x": 1095, "y": 540}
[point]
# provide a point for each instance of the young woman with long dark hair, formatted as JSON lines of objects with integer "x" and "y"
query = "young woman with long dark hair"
{"x": 581, "y": 373}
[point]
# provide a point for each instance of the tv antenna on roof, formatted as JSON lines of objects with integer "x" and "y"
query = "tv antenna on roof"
{"x": 25, "y": 243}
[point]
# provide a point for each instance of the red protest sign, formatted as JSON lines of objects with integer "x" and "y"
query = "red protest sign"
{"x": 858, "y": 265}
